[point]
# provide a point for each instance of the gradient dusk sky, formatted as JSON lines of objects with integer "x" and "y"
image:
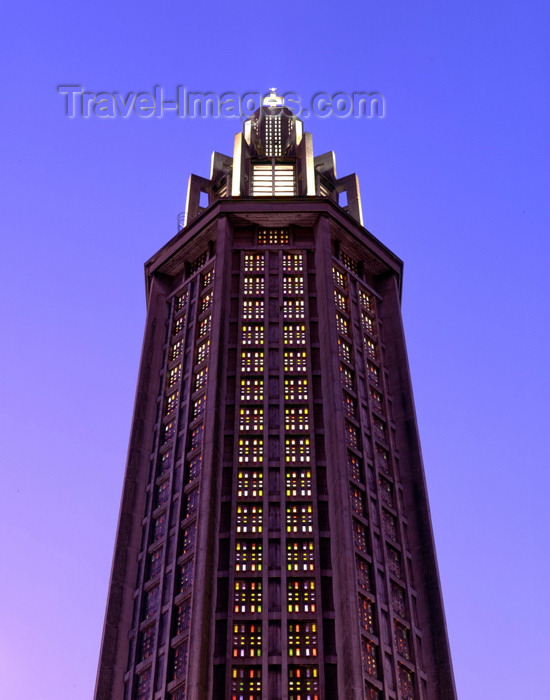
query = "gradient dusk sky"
{"x": 454, "y": 179}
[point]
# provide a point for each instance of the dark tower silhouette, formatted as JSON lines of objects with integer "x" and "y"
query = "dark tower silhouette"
{"x": 274, "y": 539}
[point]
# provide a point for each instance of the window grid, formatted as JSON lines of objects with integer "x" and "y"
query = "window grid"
{"x": 143, "y": 685}
{"x": 298, "y": 483}
{"x": 367, "y": 301}
{"x": 273, "y": 236}
{"x": 360, "y": 537}
{"x": 205, "y": 326}
{"x": 203, "y": 350}
{"x": 370, "y": 658}
{"x": 249, "y": 518}
{"x": 247, "y": 640}
{"x": 253, "y": 262}
{"x": 252, "y": 334}
{"x": 172, "y": 402}
{"x": 406, "y": 683}
{"x": 207, "y": 278}
{"x": 357, "y": 501}
{"x": 295, "y": 361}
{"x": 344, "y": 350}
{"x": 180, "y": 660}
{"x": 296, "y": 389}
{"x": 297, "y": 450}
{"x": 293, "y": 262}
{"x": 253, "y": 309}
{"x": 302, "y": 638}
{"x": 342, "y": 325}
{"x": 253, "y": 285}
{"x": 189, "y": 538}
{"x": 402, "y": 639}
{"x": 300, "y": 555}
{"x": 247, "y": 596}
{"x": 303, "y": 683}
{"x": 366, "y": 614}
{"x": 252, "y": 389}
{"x": 174, "y": 376}
{"x": 341, "y": 301}
{"x": 293, "y": 285}
{"x": 251, "y": 418}
{"x": 206, "y": 302}
{"x": 348, "y": 262}
{"x": 246, "y": 683}
{"x": 249, "y": 484}
{"x": 296, "y": 418}
{"x": 299, "y": 518}
{"x": 147, "y": 643}
{"x": 252, "y": 361}
{"x": 250, "y": 449}
{"x": 368, "y": 323}
{"x": 186, "y": 575}
{"x": 183, "y": 616}
{"x": 301, "y": 595}
{"x": 176, "y": 350}
{"x": 363, "y": 575}
{"x": 294, "y": 334}
{"x": 340, "y": 278}
{"x": 294, "y": 308}
{"x": 248, "y": 556}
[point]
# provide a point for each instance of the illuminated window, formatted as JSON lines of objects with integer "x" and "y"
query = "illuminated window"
{"x": 206, "y": 302}
{"x": 172, "y": 403}
{"x": 189, "y": 537}
{"x": 370, "y": 347}
{"x": 181, "y": 300}
{"x": 379, "y": 428}
{"x": 341, "y": 301}
{"x": 252, "y": 361}
{"x": 376, "y": 400}
{"x": 247, "y": 597}
{"x": 297, "y": 450}
{"x": 179, "y": 324}
{"x": 207, "y": 279}
{"x": 247, "y": 639}
{"x": 303, "y": 683}
{"x": 354, "y": 468}
{"x": 250, "y": 449}
{"x": 195, "y": 468}
{"x": 402, "y": 639}
{"x": 294, "y": 334}
{"x": 246, "y": 683}
{"x": 389, "y": 525}
{"x": 249, "y": 484}
{"x": 394, "y": 561}
{"x": 204, "y": 326}
{"x": 366, "y": 300}
{"x": 180, "y": 660}
{"x": 359, "y": 537}
{"x": 198, "y": 406}
{"x": 197, "y": 263}
{"x": 385, "y": 489}
{"x": 252, "y": 389}
{"x": 344, "y": 350}
{"x": 348, "y": 262}
{"x": 174, "y": 375}
{"x": 367, "y": 322}
{"x": 154, "y": 564}
{"x": 382, "y": 458}
{"x": 162, "y": 494}
{"x": 168, "y": 432}
{"x": 340, "y": 277}
{"x": 370, "y": 658}
{"x": 251, "y": 418}
{"x": 366, "y": 614}
{"x": 398, "y": 599}
{"x": 372, "y": 693}
{"x": 249, "y": 518}
{"x": 186, "y": 575}
{"x": 273, "y": 236}
{"x": 191, "y": 503}
{"x": 302, "y": 638}
{"x": 197, "y": 437}
{"x": 200, "y": 379}
{"x": 350, "y": 407}
{"x": 299, "y": 555}
{"x": 294, "y": 308}
{"x": 293, "y": 284}
{"x": 183, "y": 616}
{"x": 203, "y": 351}
{"x": 293, "y": 262}
{"x": 143, "y": 685}
{"x": 176, "y": 349}
{"x": 159, "y": 528}
{"x": 346, "y": 375}
{"x": 295, "y": 361}
{"x": 357, "y": 501}
{"x": 252, "y": 334}
{"x": 299, "y": 518}
{"x": 151, "y": 605}
{"x": 166, "y": 461}
{"x": 406, "y": 683}
{"x": 273, "y": 179}
{"x": 298, "y": 483}
{"x": 296, "y": 418}
{"x": 253, "y": 284}
{"x": 352, "y": 435}
{"x": 253, "y": 262}
{"x": 248, "y": 555}
{"x": 363, "y": 575}
{"x": 342, "y": 324}
{"x": 253, "y": 309}
{"x": 147, "y": 643}
{"x": 296, "y": 389}
{"x": 301, "y": 595}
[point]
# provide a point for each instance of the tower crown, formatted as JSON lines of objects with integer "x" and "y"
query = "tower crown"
{"x": 273, "y": 157}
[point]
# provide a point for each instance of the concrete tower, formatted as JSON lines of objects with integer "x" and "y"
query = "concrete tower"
{"x": 274, "y": 540}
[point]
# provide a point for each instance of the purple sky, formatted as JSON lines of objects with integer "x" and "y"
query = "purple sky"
{"x": 454, "y": 180}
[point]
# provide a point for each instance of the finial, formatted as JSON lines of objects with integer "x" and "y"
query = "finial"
{"x": 273, "y": 100}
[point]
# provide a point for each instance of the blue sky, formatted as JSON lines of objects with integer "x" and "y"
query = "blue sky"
{"x": 454, "y": 180}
